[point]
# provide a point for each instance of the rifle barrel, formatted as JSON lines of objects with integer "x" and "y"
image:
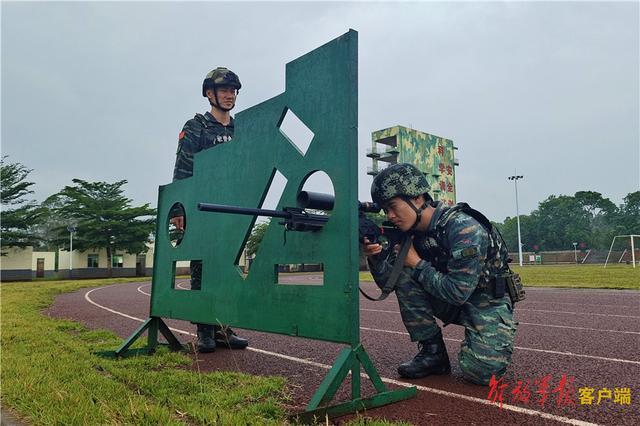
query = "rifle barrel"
{"x": 221, "y": 208}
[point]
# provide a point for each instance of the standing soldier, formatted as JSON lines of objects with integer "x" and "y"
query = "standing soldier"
{"x": 453, "y": 267}
{"x": 221, "y": 88}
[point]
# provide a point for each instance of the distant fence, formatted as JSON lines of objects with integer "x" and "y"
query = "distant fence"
{"x": 592, "y": 257}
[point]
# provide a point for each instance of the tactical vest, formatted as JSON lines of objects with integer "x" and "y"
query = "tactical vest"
{"x": 208, "y": 134}
{"x": 439, "y": 253}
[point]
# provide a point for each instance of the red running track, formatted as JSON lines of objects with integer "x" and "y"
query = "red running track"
{"x": 590, "y": 336}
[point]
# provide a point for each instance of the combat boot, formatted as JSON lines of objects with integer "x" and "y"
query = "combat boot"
{"x": 227, "y": 338}
{"x": 206, "y": 341}
{"x": 431, "y": 359}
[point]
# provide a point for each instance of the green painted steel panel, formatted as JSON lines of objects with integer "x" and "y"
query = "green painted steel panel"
{"x": 321, "y": 90}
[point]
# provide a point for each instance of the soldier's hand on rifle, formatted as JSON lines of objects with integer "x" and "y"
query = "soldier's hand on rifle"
{"x": 412, "y": 258}
{"x": 178, "y": 222}
{"x": 371, "y": 249}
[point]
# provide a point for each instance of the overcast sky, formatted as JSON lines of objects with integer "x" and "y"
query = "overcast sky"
{"x": 100, "y": 91}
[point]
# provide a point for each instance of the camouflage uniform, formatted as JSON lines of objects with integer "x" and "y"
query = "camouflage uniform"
{"x": 200, "y": 133}
{"x": 453, "y": 282}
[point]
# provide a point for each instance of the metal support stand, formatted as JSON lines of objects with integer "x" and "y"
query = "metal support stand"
{"x": 350, "y": 360}
{"x": 153, "y": 324}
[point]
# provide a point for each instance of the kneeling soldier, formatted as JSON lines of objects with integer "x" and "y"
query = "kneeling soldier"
{"x": 455, "y": 269}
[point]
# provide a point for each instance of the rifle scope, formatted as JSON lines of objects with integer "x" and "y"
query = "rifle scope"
{"x": 320, "y": 201}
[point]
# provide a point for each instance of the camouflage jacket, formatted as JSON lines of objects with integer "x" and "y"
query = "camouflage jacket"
{"x": 454, "y": 261}
{"x": 199, "y": 133}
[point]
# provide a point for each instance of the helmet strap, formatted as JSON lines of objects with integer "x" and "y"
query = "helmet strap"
{"x": 220, "y": 107}
{"x": 418, "y": 211}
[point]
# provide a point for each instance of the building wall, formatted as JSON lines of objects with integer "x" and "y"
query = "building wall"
{"x": 16, "y": 265}
{"x": 16, "y": 258}
{"x": 21, "y": 265}
{"x": 80, "y": 259}
{"x": 49, "y": 260}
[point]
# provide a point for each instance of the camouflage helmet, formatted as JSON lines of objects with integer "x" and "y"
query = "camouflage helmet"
{"x": 398, "y": 180}
{"x": 220, "y": 77}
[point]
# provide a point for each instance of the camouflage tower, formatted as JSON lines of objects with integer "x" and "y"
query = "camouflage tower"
{"x": 431, "y": 154}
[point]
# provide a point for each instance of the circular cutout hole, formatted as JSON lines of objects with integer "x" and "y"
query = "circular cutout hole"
{"x": 177, "y": 224}
{"x": 317, "y": 193}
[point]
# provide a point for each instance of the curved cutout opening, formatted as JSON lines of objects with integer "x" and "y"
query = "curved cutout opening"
{"x": 176, "y": 224}
{"x": 316, "y": 193}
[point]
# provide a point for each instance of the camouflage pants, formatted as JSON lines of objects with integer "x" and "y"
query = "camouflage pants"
{"x": 196, "y": 283}
{"x": 196, "y": 274}
{"x": 489, "y": 328}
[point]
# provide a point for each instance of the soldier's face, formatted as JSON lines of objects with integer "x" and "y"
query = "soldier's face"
{"x": 226, "y": 97}
{"x": 400, "y": 213}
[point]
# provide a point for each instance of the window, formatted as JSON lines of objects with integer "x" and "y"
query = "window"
{"x": 92, "y": 261}
{"x": 117, "y": 260}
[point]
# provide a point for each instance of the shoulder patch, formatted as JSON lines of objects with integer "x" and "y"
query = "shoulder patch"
{"x": 465, "y": 253}
{"x": 181, "y": 135}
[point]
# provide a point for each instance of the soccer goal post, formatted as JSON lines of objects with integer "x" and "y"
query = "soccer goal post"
{"x": 633, "y": 249}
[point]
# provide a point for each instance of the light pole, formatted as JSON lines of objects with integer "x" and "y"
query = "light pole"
{"x": 575, "y": 251}
{"x": 71, "y": 230}
{"x": 515, "y": 178}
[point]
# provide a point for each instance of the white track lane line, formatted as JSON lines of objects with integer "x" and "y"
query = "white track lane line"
{"x": 519, "y": 309}
{"x": 579, "y": 313}
{"x": 621, "y": 292}
{"x": 523, "y": 309}
{"x": 581, "y": 304}
{"x": 520, "y": 348}
{"x": 508, "y": 407}
{"x": 567, "y": 290}
{"x": 531, "y": 323}
{"x": 578, "y": 328}
{"x": 520, "y": 322}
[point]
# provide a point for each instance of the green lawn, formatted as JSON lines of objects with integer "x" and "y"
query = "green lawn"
{"x": 52, "y": 374}
{"x": 55, "y": 372}
{"x": 578, "y": 276}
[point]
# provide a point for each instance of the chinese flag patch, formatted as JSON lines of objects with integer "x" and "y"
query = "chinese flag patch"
{"x": 181, "y": 135}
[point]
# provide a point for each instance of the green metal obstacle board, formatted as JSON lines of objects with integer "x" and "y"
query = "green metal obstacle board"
{"x": 321, "y": 90}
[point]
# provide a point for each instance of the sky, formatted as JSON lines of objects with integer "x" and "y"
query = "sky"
{"x": 549, "y": 90}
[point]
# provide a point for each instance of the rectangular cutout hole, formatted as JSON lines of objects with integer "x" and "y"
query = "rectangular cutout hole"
{"x": 296, "y": 132}
{"x": 300, "y": 274}
{"x": 182, "y": 275}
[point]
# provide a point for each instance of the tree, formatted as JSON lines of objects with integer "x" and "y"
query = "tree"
{"x": 559, "y": 221}
{"x": 627, "y": 219}
{"x": 528, "y": 232}
{"x": 103, "y": 218}
{"x": 47, "y": 229}
{"x": 601, "y": 214}
{"x": 19, "y": 216}
{"x": 257, "y": 234}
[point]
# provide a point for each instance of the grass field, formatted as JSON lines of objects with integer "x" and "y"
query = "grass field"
{"x": 581, "y": 276}
{"x": 52, "y": 374}
{"x": 56, "y": 372}
{"x": 574, "y": 276}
